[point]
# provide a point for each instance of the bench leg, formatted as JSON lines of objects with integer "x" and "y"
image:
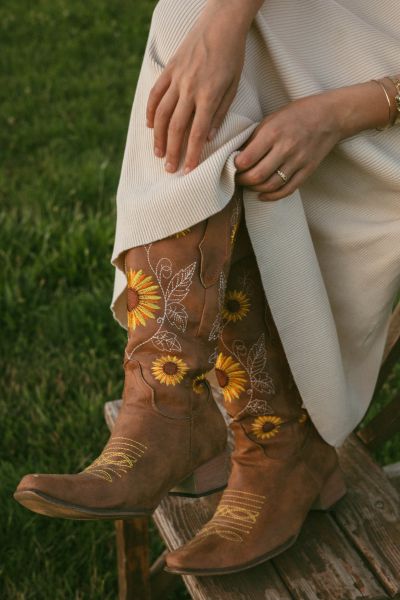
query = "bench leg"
{"x": 133, "y": 555}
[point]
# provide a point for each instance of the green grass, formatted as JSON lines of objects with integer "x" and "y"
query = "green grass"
{"x": 68, "y": 74}
{"x": 69, "y": 71}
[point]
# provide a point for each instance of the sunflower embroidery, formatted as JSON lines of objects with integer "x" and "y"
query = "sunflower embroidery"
{"x": 141, "y": 298}
{"x": 199, "y": 383}
{"x": 231, "y": 377}
{"x": 169, "y": 370}
{"x": 266, "y": 426}
{"x": 180, "y": 234}
{"x": 236, "y": 305}
{"x": 234, "y": 232}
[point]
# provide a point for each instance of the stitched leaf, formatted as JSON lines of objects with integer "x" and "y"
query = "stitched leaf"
{"x": 216, "y": 328}
{"x": 177, "y": 315}
{"x": 179, "y": 285}
{"x": 263, "y": 383}
{"x": 258, "y": 407}
{"x": 166, "y": 341}
{"x": 257, "y": 356}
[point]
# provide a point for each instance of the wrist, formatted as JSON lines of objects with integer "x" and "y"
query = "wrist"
{"x": 240, "y": 12}
{"x": 359, "y": 107}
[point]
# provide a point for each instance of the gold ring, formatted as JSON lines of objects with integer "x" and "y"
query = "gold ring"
{"x": 282, "y": 175}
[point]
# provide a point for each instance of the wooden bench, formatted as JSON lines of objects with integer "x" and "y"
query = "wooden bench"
{"x": 351, "y": 552}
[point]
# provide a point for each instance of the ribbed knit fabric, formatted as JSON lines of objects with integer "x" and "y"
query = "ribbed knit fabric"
{"x": 329, "y": 254}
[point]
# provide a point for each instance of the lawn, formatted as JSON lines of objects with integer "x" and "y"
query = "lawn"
{"x": 68, "y": 73}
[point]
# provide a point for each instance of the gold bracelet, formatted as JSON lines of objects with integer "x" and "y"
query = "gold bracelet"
{"x": 397, "y": 98}
{"x": 389, "y": 103}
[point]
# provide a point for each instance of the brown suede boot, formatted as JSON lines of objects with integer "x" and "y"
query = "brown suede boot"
{"x": 281, "y": 467}
{"x": 170, "y": 435}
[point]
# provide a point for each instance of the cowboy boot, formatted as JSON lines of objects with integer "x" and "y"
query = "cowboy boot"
{"x": 169, "y": 435}
{"x": 281, "y": 466}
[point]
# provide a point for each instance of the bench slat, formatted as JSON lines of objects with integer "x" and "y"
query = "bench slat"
{"x": 369, "y": 514}
{"x": 322, "y": 565}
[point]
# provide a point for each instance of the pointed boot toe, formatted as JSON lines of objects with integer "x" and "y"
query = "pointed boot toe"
{"x": 47, "y": 494}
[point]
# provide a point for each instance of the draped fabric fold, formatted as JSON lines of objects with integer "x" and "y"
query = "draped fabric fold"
{"x": 329, "y": 254}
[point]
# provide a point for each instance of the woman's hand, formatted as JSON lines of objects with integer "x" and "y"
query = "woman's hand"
{"x": 294, "y": 139}
{"x": 199, "y": 82}
{"x": 298, "y": 136}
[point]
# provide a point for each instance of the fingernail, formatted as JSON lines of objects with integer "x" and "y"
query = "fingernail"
{"x": 148, "y": 124}
{"x": 157, "y": 152}
{"x": 212, "y": 133}
{"x": 169, "y": 167}
{"x": 187, "y": 170}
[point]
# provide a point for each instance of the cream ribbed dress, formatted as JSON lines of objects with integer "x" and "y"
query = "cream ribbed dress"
{"x": 329, "y": 254}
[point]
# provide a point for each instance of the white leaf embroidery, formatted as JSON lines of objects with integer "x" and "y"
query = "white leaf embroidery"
{"x": 179, "y": 285}
{"x": 218, "y": 321}
{"x": 257, "y": 356}
{"x": 177, "y": 315}
{"x": 166, "y": 341}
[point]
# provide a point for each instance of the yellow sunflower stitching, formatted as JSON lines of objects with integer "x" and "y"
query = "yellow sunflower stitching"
{"x": 266, "y": 426}
{"x": 231, "y": 377}
{"x": 169, "y": 369}
{"x": 236, "y": 305}
{"x": 199, "y": 383}
{"x": 234, "y": 232}
{"x": 142, "y": 298}
{"x": 180, "y": 234}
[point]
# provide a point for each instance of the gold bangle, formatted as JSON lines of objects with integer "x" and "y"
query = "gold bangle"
{"x": 389, "y": 103}
{"x": 396, "y": 98}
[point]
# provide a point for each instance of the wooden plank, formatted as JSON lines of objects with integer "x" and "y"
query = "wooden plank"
{"x": 369, "y": 514}
{"x": 133, "y": 559}
{"x": 383, "y": 426}
{"x": 322, "y": 565}
{"x": 178, "y": 519}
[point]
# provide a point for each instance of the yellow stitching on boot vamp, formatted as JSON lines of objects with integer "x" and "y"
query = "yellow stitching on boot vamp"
{"x": 234, "y": 517}
{"x": 117, "y": 458}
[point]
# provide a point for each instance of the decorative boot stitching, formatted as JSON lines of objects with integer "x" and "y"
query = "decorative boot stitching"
{"x": 173, "y": 287}
{"x": 199, "y": 383}
{"x": 169, "y": 369}
{"x": 266, "y": 426}
{"x": 250, "y": 362}
{"x": 121, "y": 455}
{"x": 231, "y": 377}
{"x": 142, "y": 298}
{"x": 235, "y": 516}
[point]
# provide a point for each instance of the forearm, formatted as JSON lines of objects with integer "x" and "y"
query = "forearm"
{"x": 362, "y": 106}
{"x": 241, "y": 12}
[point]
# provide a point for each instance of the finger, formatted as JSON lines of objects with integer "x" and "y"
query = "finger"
{"x": 263, "y": 169}
{"x": 161, "y": 121}
{"x": 221, "y": 111}
{"x": 178, "y": 125}
{"x": 275, "y": 181}
{"x": 294, "y": 182}
{"x": 197, "y": 137}
{"x": 256, "y": 147}
{"x": 156, "y": 93}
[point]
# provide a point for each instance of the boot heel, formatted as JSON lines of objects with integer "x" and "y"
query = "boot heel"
{"x": 210, "y": 477}
{"x": 333, "y": 490}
